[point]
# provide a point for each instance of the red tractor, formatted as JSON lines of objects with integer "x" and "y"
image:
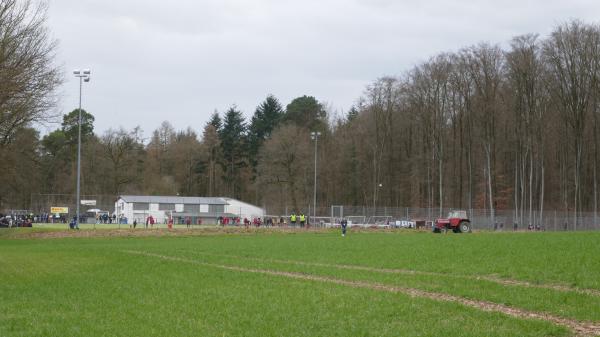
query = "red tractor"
{"x": 457, "y": 221}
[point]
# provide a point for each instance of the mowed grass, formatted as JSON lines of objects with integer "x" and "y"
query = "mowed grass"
{"x": 102, "y": 287}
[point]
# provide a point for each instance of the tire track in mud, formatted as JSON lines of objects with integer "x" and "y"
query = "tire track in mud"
{"x": 580, "y": 328}
{"x": 489, "y": 278}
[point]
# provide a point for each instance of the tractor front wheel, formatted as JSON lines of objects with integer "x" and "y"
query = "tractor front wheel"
{"x": 464, "y": 227}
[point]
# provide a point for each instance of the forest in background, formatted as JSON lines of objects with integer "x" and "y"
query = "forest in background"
{"x": 481, "y": 127}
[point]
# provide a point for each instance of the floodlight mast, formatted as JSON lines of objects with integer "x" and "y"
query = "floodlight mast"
{"x": 84, "y": 76}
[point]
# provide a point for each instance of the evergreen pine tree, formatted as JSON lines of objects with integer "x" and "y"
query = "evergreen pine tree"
{"x": 352, "y": 114}
{"x": 266, "y": 118}
{"x": 233, "y": 146}
{"x": 215, "y": 121}
{"x": 307, "y": 112}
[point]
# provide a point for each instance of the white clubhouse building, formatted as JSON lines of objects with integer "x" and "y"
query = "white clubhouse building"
{"x": 206, "y": 209}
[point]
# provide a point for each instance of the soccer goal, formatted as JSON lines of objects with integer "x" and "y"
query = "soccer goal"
{"x": 356, "y": 220}
{"x": 320, "y": 221}
{"x": 380, "y": 221}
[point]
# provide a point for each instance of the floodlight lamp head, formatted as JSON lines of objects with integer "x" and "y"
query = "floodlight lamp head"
{"x": 86, "y": 79}
{"x": 76, "y": 72}
{"x": 86, "y": 71}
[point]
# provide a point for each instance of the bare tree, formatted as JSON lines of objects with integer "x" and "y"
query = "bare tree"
{"x": 462, "y": 89}
{"x": 28, "y": 77}
{"x": 381, "y": 103}
{"x": 525, "y": 77}
{"x": 571, "y": 54}
{"x": 186, "y": 153}
{"x": 485, "y": 68}
{"x": 284, "y": 162}
{"x": 122, "y": 149}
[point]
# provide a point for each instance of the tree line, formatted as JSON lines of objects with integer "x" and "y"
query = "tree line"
{"x": 482, "y": 127}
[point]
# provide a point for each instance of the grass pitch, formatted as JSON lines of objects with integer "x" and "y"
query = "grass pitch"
{"x": 270, "y": 283}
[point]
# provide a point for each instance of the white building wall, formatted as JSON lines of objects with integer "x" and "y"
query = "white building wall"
{"x": 126, "y": 209}
{"x": 242, "y": 209}
{"x": 158, "y": 215}
{"x": 237, "y": 207}
{"x": 121, "y": 208}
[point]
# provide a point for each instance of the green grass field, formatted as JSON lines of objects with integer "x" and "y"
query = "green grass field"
{"x": 270, "y": 283}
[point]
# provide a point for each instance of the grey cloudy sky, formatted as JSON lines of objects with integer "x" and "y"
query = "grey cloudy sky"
{"x": 179, "y": 60}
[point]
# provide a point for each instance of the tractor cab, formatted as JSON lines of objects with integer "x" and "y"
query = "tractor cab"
{"x": 461, "y": 214}
{"x": 457, "y": 221}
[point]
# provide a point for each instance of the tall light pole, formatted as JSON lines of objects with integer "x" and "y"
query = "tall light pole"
{"x": 315, "y": 136}
{"x": 84, "y": 76}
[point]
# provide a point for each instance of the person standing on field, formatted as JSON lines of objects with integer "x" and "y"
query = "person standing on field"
{"x": 344, "y": 224}
{"x": 302, "y": 220}
{"x": 293, "y": 219}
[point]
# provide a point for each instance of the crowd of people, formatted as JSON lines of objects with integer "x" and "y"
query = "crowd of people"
{"x": 25, "y": 220}
{"x": 17, "y": 220}
{"x": 105, "y": 218}
{"x": 293, "y": 220}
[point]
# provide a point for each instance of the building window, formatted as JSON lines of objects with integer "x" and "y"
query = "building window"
{"x": 203, "y": 208}
{"x": 216, "y": 209}
{"x": 141, "y": 206}
{"x": 166, "y": 207}
{"x": 189, "y": 208}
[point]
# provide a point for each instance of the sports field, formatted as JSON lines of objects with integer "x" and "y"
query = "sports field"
{"x": 209, "y": 282}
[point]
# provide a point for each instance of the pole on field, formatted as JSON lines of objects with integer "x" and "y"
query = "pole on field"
{"x": 84, "y": 76}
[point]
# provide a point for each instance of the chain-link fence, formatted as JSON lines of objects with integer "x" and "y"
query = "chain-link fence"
{"x": 41, "y": 205}
{"x": 481, "y": 219}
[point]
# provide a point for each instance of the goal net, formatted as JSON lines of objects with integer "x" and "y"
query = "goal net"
{"x": 356, "y": 220}
{"x": 380, "y": 220}
{"x": 320, "y": 221}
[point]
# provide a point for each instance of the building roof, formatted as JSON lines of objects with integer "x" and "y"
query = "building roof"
{"x": 173, "y": 200}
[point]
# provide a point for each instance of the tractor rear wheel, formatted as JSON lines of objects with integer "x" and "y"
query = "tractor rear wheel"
{"x": 464, "y": 227}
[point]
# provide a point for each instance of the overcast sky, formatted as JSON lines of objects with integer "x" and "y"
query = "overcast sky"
{"x": 179, "y": 60}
